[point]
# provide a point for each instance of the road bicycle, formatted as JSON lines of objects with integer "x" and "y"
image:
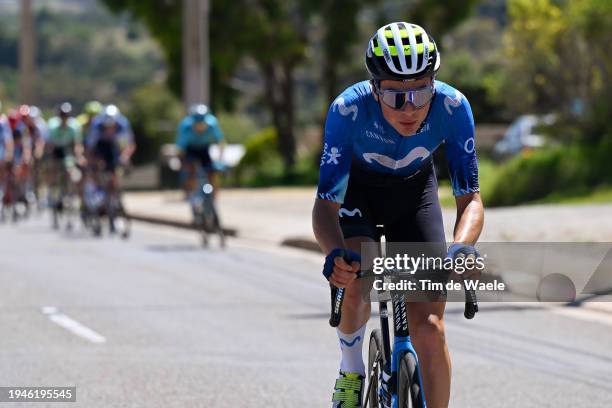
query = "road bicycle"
{"x": 100, "y": 202}
{"x": 399, "y": 364}
{"x": 205, "y": 215}
{"x": 63, "y": 196}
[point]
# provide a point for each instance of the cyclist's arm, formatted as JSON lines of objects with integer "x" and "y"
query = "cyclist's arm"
{"x": 463, "y": 168}
{"x": 78, "y": 139}
{"x": 9, "y": 148}
{"x": 326, "y": 226}
{"x": 333, "y": 180}
{"x": 470, "y": 218}
{"x": 130, "y": 146}
{"x": 7, "y": 138}
{"x": 217, "y": 135}
{"x": 182, "y": 137}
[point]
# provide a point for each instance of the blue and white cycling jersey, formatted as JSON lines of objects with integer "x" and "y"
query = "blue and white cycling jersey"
{"x": 122, "y": 134}
{"x": 6, "y": 135}
{"x": 187, "y": 136}
{"x": 357, "y": 133}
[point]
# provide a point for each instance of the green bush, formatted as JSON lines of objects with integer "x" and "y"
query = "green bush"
{"x": 261, "y": 158}
{"x": 575, "y": 169}
{"x": 154, "y": 114}
{"x": 262, "y": 166}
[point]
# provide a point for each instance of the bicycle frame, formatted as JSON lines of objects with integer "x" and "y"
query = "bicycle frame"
{"x": 401, "y": 345}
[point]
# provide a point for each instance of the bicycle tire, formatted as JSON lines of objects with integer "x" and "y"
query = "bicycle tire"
{"x": 375, "y": 347}
{"x": 409, "y": 392}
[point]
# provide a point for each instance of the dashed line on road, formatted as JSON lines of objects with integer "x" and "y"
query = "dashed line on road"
{"x": 72, "y": 325}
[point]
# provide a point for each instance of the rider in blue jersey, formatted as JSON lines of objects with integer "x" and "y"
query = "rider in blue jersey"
{"x": 377, "y": 169}
{"x": 196, "y": 133}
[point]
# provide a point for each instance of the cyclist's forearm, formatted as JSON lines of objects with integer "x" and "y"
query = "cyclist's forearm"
{"x": 78, "y": 149}
{"x": 326, "y": 226}
{"x": 470, "y": 219}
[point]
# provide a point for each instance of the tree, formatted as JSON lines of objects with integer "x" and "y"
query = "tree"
{"x": 557, "y": 55}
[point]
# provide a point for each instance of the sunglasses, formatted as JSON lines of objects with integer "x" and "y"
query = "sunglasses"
{"x": 397, "y": 99}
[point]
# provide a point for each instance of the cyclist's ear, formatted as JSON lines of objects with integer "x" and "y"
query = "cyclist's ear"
{"x": 374, "y": 88}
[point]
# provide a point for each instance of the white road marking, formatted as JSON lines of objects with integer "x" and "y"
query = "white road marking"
{"x": 72, "y": 325}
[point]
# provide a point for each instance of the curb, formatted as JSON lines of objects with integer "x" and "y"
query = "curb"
{"x": 302, "y": 243}
{"x": 231, "y": 232}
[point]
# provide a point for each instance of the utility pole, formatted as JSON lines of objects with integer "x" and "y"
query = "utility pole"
{"x": 196, "y": 67}
{"x": 27, "y": 51}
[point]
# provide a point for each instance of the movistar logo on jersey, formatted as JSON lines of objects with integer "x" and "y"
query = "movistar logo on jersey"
{"x": 344, "y": 211}
{"x": 344, "y": 110}
{"x": 453, "y": 102}
{"x": 415, "y": 154}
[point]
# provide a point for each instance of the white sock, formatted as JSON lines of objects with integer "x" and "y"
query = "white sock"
{"x": 351, "y": 345}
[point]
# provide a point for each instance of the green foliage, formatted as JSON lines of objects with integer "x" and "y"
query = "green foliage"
{"x": 237, "y": 127}
{"x": 82, "y": 54}
{"x": 155, "y": 113}
{"x": 439, "y": 17}
{"x": 560, "y": 170}
{"x": 557, "y": 54}
{"x": 470, "y": 62}
{"x": 261, "y": 156}
{"x": 262, "y": 166}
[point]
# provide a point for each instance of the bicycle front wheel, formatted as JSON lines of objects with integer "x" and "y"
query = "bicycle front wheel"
{"x": 376, "y": 361}
{"x": 410, "y": 394}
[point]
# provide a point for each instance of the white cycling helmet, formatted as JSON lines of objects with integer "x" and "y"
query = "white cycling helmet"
{"x": 402, "y": 51}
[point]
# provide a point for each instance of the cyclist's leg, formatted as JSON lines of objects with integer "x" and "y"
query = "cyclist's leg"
{"x": 426, "y": 319}
{"x": 357, "y": 229}
{"x": 191, "y": 163}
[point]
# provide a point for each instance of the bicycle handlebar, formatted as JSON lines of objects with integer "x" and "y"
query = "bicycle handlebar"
{"x": 337, "y": 297}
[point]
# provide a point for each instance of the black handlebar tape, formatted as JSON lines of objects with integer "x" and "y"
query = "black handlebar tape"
{"x": 337, "y": 297}
{"x": 471, "y": 303}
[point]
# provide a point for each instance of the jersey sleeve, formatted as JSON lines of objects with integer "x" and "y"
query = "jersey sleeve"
{"x": 5, "y": 131}
{"x": 91, "y": 139}
{"x": 217, "y": 133}
{"x": 125, "y": 136}
{"x": 460, "y": 146}
{"x": 337, "y": 153}
{"x": 182, "y": 136}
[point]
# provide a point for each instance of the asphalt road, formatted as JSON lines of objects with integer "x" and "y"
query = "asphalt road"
{"x": 158, "y": 322}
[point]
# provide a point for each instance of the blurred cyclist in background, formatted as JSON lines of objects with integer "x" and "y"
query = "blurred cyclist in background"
{"x": 110, "y": 142}
{"x": 65, "y": 142}
{"x": 90, "y": 111}
{"x": 36, "y": 127}
{"x": 196, "y": 133}
{"x": 22, "y": 158}
{"x": 6, "y": 149}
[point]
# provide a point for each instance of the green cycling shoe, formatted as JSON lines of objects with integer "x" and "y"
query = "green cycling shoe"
{"x": 348, "y": 391}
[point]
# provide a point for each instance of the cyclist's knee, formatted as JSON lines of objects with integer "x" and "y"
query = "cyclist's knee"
{"x": 429, "y": 333}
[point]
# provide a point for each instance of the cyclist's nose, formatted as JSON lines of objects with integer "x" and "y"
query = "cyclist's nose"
{"x": 408, "y": 108}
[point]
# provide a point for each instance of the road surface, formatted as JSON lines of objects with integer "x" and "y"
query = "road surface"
{"x": 158, "y": 322}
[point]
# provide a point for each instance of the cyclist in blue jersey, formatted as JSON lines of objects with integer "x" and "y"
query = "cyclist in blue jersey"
{"x": 196, "y": 133}
{"x": 377, "y": 169}
{"x": 6, "y": 149}
{"x": 109, "y": 145}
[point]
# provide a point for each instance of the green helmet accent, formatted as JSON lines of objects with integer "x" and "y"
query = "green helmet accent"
{"x": 93, "y": 108}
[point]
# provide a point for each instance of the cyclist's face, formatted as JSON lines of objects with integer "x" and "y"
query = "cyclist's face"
{"x": 408, "y": 119}
{"x": 200, "y": 127}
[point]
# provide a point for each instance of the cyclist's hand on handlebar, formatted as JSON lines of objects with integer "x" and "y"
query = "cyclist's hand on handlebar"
{"x": 469, "y": 269}
{"x": 338, "y": 271}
